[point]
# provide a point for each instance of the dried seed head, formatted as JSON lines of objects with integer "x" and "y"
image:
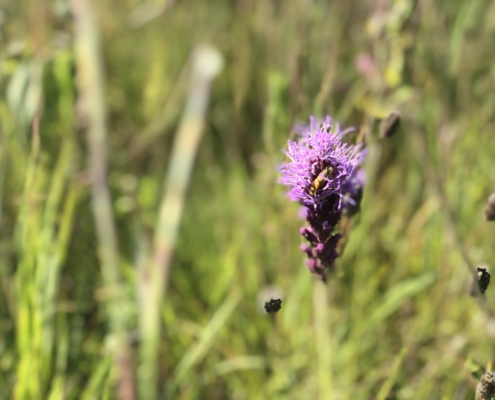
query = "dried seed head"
{"x": 482, "y": 282}
{"x": 486, "y": 387}
{"x": 273, "y": 305}
{"x": 490, "y": 208}
{"x": 265, "y": 296}
{"x": 389, "y": 126}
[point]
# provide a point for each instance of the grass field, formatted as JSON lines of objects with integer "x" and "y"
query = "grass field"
{"x": 141, "y": 222}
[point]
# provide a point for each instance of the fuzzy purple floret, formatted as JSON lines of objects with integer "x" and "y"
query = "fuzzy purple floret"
{"x": 320, "y": 147}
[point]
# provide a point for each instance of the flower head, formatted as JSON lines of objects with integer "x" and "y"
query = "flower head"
{"x": 324, "y": 176}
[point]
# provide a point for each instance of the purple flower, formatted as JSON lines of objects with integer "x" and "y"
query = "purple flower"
{"x": 324, "y": 176}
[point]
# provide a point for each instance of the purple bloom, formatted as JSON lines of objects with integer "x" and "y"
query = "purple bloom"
{"x": 324, "y": 176}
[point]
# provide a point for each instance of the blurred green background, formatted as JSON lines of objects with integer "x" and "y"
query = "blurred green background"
{"x": 394, "y": 322}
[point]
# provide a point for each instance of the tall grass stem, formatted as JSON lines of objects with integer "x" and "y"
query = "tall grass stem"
{"x": 91, "y": 83}
{"x": 207, "y": 63}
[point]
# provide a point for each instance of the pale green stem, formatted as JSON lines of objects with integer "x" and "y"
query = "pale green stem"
{"x": 323, "y": 341}
{"x": 91, "y": 85}
{"x": 206, "y": 65}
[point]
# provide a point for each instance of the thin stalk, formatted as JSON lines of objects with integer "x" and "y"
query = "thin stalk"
{"x": 323, "y": 343}
{"x": 91, "y": 82}
{"x": 28, "y": 383}
{"x": 206, "y": 65}
{"x": 447, "y": 210}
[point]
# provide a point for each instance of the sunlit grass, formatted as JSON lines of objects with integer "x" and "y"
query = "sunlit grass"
{"x": 394, "y": 322}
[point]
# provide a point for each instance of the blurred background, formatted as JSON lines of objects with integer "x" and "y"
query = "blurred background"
{"x": 150, "y": 284}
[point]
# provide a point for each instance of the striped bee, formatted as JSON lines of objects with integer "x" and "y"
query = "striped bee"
{"x": 320, "y": 180}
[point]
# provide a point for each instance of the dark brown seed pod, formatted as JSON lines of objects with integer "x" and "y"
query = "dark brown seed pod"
{"x": 389, "y": 126}
{"x": 486, "y": 387}
{"x": 490, "y": 208}
{"x": 273, "y": 305}
{"x": 482, "y": 282}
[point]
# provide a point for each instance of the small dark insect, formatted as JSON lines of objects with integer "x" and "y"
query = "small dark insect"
{"x": 273, "y": 305}
{"x": 389, "y": 125}
{"x": 320, "y": 180}
{"x": 482, "y": 282}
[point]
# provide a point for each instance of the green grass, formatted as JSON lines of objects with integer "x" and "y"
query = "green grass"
{"x": 394, "y": 322}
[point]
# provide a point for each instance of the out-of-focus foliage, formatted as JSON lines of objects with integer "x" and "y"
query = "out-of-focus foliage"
{"x": 395, "y": 322}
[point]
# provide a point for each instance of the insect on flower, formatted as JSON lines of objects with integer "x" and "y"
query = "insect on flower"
{"x": 320, "y": 180}
{"x": 324, "y": 176}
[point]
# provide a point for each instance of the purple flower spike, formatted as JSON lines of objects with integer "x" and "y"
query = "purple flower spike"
{"x": 324, "y": 176}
